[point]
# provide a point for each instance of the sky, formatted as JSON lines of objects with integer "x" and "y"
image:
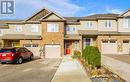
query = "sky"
{"x": 71, "y": 8}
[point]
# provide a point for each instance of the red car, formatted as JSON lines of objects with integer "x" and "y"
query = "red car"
{"x": 15, "y": 55}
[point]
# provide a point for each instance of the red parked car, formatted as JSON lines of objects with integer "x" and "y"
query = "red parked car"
{"x": 15, "y": 55}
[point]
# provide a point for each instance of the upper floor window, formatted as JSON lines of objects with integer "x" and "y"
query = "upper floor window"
{"x": 52, "y": 27}
{"x": 35, "y": 28}
{"x": 19, "y": 28}
{"x": 126, "y": 23}
{"x": 70, "y": 29}
{"x": 88, "y": 24}
{"x": 108, "y": 24}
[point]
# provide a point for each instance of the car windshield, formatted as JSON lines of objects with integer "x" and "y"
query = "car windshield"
{"x": 7, "y": 50}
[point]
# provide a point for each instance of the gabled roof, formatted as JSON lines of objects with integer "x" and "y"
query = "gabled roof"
{"x": 38, "y": 15}
{"x": 124, "y": 13}
{"x": 49, "y": 14}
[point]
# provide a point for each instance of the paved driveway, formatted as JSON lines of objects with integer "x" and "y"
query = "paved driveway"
{"x": 41, "y": 70}
{"x": 123, "y": 58}
{"x": 118, "y": 64}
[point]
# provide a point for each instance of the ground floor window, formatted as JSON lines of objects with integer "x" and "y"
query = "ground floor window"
{"x": 125, "y": 41}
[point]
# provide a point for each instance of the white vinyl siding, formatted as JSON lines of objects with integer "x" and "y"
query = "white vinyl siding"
{"x": 126, "y": 23}
{"x": 108, "y": 24}
{"x": 35, "y": 28}
{"x": 19, "y": 28}
{"x": 52, "y": 27}
{"x": 88, "y": 24}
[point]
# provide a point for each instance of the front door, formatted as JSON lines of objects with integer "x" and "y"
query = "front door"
{"x": 88, "y": 42}
{"x": 68, "y": 48}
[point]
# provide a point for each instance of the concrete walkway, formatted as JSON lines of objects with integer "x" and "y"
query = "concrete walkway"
{"x": 70, "y": 70}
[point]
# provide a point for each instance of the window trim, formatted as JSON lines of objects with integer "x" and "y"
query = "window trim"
{"x": 126, "y": 41}
{"x": 36, "y": 26}
{"x": 55, "y": 29}
{"x": 108, "y": 24}
{"x": 126, "y": 23}
{"x": 88, "y": 24}
{"x": 18, "y": 28}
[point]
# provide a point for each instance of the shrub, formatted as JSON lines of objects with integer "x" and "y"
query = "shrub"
{"x": 77, "y": 54}
{"x": 92, "y": 56}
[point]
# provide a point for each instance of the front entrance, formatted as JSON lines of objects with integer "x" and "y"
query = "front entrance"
{"x": 68, "y": 48}
{"x": 71, "y": 46}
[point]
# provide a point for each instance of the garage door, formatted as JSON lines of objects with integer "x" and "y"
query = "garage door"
{"x": 109, "y": 47}
{"x": 126, "y": 47}
{"x": 34, "y": 48}
{"x": 52, "y": 51}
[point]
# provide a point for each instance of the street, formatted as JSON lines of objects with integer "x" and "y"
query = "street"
{"x": 40, "y": 70}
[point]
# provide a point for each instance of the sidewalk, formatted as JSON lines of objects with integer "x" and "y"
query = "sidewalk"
{"x": 70, "y": 70}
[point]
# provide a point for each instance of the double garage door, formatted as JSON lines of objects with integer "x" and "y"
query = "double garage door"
{"x": 52, "y": 51}
{"x": 109, "y": 47}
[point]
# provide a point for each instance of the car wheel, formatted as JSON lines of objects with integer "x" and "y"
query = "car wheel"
{"x": 20, "y": 60}
{"x": 31, "y": 57}
{"x": 3, "y": 62}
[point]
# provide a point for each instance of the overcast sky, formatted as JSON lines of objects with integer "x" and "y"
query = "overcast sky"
{"x": 26, "y": 8}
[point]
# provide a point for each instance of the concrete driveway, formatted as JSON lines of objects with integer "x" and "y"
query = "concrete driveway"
{"x": 41, "y": 70}
{"x": 118, "y": 64}
{"x": 123, "y": 58}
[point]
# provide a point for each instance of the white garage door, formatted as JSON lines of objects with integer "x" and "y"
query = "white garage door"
{"x": 52, "y": 51}
{"x": 109, "y": 47}
{"x": 126, "y": 47}
{"x": 34, "y": 48}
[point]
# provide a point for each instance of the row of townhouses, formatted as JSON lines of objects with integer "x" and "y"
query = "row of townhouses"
{"x": 52, "y": 35}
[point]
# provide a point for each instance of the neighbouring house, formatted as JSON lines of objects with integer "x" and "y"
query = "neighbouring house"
{"x": 50, "y": 35}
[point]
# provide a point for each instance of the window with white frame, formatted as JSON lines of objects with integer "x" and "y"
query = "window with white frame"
{"x": 19, "y": 28}
{"x": 35, "y": 28}
{"x": 52, "y": 27}
{"x": 71, "y": 29}
{"x": 108, "y": 24}
{"x": 126, "y": 23}
{"x": 88, "y": 24}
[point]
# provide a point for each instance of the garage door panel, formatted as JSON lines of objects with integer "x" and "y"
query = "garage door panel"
{"x": 109, "y": 47}
{"x": 34, "y": 48}
{"x": 52, "y": 51}
{"x": 126, "y": 47}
